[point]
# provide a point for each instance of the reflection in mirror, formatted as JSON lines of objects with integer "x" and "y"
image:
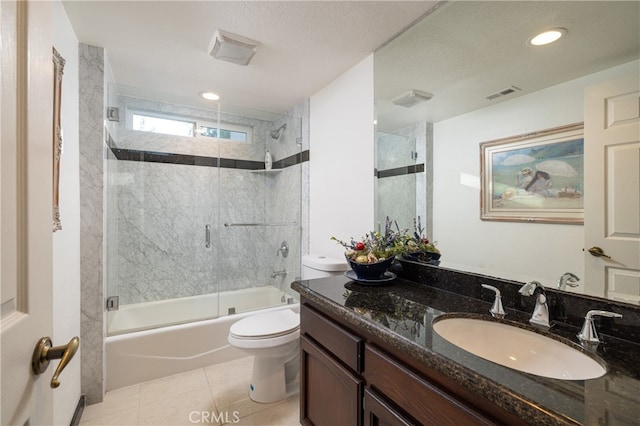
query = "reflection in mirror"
{"x": 463, "y": 53}
{"x": 397, "y": 166}
{"x": 402, "y": 189}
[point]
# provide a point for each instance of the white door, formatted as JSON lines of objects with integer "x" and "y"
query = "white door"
{"x": 25, "y": 208}
{"x": 612, "y": 189}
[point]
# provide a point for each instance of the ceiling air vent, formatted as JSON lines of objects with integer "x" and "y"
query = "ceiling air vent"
{"x": 509, "y": 90}
{"x": 411, "y": 98}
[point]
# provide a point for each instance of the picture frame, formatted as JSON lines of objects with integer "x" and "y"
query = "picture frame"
{"x": 534, "y": 177}
{"x": 58, "y": 71}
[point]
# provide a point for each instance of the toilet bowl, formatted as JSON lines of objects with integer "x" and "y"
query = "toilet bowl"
{"x": 273, "y": 338}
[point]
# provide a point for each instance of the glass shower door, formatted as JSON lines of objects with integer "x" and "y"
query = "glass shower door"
{"x": 395, "y": 189}
{"x": 259, "y": 227}
{"x": 161, "y": 208}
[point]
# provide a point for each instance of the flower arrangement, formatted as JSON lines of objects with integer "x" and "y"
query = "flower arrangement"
{"x": 374, "y": 246}
{"x": 419, "y": 243}
{"x": 371, "y": 256}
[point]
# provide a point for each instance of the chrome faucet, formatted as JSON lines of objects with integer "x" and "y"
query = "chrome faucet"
{"x": 588, "y": 334}
{"x": 568, "y": 279}
{"x": 282, "y": 273}
{"x": 497, "y": 311}
{"x": 540, "y": 316}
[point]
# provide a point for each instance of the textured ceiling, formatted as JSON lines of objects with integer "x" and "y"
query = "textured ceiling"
{"x": 460, "y": 52}
{"x": 464, "y": 51}
{"x": 158, "y": 49}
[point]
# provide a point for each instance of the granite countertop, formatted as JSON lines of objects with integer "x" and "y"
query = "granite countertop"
{"x": 401, "y": 312}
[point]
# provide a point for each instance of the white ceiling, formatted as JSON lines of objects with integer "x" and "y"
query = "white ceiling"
{"x": 158, "y": 49}
{"x": 464, "y": 51}
{"x": 461, "y": 52}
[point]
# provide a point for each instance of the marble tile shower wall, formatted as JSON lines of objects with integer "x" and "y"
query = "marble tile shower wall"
{"x": 395, "y": 194}
{"x": 394, "y": 200}
{"x": 394, "y": 150}
{"x": 162, "y": 210}
{"x": 284, "y": 206}
{"x": 423, "y": 134}
{"x": 160, "y": 222}
{"x": 91, "y": 79}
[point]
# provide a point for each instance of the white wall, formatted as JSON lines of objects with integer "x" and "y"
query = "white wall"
{"x": 519, "y": 251}
{"x": 66, "y": 242}
{"x": 341, "y": 197}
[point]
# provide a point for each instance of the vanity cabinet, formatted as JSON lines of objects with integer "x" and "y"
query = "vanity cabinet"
{"x": 348, "y": 378}
{"x": 330, "y": 366}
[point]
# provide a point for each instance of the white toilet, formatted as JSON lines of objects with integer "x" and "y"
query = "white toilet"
{"x": 314, "y": 266}
{"x": 274, "y": 339}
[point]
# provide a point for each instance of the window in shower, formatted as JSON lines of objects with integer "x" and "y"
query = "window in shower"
{"x": 230, "y": 132}
{"x": 168, "y": 125}
{"x": 164, "y": 125}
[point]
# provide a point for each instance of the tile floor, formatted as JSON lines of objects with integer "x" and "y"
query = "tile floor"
{"x": 215, "y": 395}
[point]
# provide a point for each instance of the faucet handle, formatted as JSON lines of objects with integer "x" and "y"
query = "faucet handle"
{"x": 497, "y": 311}
{"x": 568, "y": 279}
{"x": 529, "y": 288}
{"x": 588, "y": 333}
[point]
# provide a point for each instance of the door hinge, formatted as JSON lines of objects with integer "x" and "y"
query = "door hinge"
{"x": 113, "y": 303}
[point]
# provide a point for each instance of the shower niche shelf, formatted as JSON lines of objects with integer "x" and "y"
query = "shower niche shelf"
{"x": 267, "y": 172}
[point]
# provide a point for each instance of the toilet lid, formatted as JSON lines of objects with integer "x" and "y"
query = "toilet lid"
{"x": 269, "y": 324}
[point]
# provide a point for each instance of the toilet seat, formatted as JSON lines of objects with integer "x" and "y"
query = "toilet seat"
{"x": 266, "y": 326}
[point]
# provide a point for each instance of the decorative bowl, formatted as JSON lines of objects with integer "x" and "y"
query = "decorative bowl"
{"x": 371, "y": 271}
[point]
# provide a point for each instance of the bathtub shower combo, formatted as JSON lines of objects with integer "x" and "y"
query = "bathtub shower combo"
{"x": 200, "y": 234}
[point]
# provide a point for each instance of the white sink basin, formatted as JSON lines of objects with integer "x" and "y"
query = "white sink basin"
{"x": 519, "y": 349}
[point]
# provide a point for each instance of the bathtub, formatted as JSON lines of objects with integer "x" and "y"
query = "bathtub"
{"x": 137, "y": 350}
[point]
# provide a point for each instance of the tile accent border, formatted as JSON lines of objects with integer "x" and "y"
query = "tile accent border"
{"x": 399, "y": 171}
{"x": 197, "y": 160}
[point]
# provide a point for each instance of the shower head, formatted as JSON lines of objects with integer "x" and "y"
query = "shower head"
{"x": 275, "y": 134}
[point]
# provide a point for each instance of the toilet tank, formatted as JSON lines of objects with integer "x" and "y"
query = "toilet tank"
{"x": 314, "y": 266}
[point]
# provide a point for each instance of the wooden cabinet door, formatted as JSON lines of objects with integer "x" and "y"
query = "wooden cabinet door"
{"x": 329, "y": 393}
{"x": 378, "y": 412}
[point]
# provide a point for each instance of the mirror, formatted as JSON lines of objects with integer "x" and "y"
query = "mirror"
{"x": 466, "y": 74}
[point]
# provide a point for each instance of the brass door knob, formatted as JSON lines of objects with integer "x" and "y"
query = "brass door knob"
{"x": 598, "y": 252}
{"x": 45, "y": 352}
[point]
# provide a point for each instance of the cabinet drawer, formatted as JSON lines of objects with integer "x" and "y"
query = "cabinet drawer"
{"x": 423, "y": 401}
{"x": 344, "y": 345}
{"x": 378, "y": 413}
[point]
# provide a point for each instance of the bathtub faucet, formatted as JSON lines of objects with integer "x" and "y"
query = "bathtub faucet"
{"x": 282, "y": 273}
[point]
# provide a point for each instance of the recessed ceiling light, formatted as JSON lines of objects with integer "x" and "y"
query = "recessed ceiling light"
{"x": 210, "y": 96}
{"x": 546, "y": 37}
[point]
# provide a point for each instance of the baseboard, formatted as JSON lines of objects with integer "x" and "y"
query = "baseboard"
{"x": 77, "y": 414}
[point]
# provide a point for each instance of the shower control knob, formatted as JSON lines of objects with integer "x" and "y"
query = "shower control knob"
{"x": 284, "y": 249}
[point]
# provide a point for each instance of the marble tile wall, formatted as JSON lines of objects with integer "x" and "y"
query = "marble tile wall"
{"x": 423, "y": 134}
{"x": 289, "y": 199}
{"x": 162, "y": 210}
{"x": 91, "y": 94}
{"x": 405, "y": 196}
{"x": 394, "y": 150}
{"x": 302, "y": 110}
